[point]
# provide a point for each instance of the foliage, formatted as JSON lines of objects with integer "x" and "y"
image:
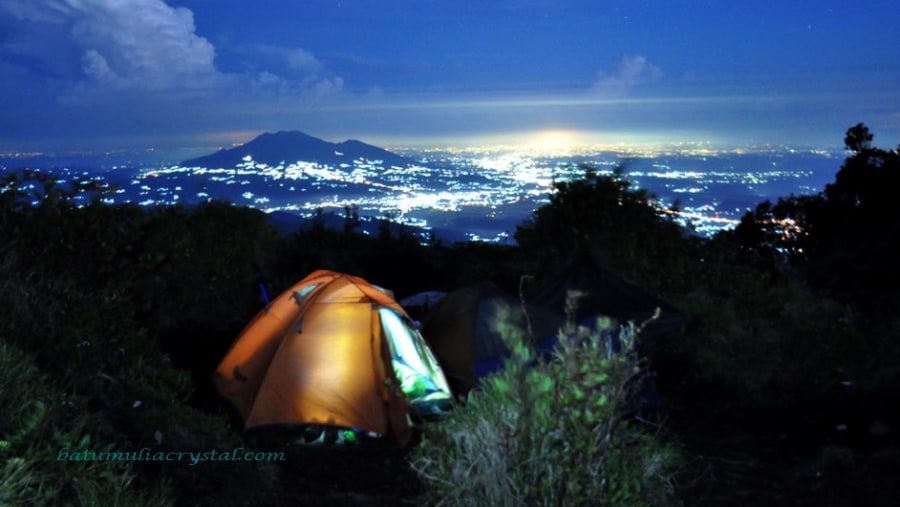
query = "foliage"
{"x": 113, "y": 317}
{"x": 94, "y": 297}
{"x": 39, "y": 424}
{"x": 773, "y": 342}
{"x": 802, "y": 295}
{"x": 602, "y": 215}
{"x": 547, "y": 433}
{"x": 394, "y": 258}
{"x": 844, "y": 239}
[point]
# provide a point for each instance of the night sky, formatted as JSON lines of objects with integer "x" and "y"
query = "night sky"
{"x": 98, "y": 74}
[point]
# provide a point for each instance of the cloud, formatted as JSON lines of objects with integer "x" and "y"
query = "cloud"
{"x": 328, "y": 87}
{"x": 287, "y": 60}
{"x": 139, "y": 45}
{"x": 30, "y": 10}
{"x": 294, "y": 73}
{"x": 302, "y": 61}
{"x": 631, "y": 71}
{"x": 121, "y": 67}
{"x": 289, "y": 71}
{"x": 143, "y": 45}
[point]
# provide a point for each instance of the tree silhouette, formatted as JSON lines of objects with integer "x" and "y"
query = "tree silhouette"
{"x": 601, "y": 215}
{"x": 846, "y": 238}
{"x": 858, "y": 138}
{"x": 864, "y": 186}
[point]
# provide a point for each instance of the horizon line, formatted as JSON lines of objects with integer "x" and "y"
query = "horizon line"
{"x": 554, "y": 139}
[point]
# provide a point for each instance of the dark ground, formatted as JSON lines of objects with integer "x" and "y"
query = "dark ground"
{"x": 783, "y": 459}
{"x": 737, "y": 457}
{"x": 819, "y": 455}
{"x": 347, "y": 476}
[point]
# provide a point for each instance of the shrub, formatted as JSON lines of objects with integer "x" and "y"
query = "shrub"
{"x": 548, "y": 433}
{"x": 775, "y": 342}
{"x": 603, "y": 216}
{"x": 88, "y": 376}
{"x": 39, "y": 422}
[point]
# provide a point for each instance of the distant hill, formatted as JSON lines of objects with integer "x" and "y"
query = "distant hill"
{"x": 293, "y": 146}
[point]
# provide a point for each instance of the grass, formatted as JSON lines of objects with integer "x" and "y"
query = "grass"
{"x": 39, "y": 422}
{"x": 549, "y": 433}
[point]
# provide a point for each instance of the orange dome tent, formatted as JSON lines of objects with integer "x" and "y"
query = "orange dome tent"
{"x": 333, "y": 350}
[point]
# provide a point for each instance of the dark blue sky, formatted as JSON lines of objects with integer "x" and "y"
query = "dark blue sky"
{"x": 96, "y": 74}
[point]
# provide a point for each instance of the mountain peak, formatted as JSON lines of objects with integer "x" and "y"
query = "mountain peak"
{"x": 294, "y": 146}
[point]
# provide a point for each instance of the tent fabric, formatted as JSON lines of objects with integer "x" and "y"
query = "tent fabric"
{"x": 418, "y": 305}
{"x": 323, "y": 353}
{"x": 607, "y": 294}
{"x": 461, "y": 331}
{"x": 425, "y": 299}
{"x": 460, "y": 328}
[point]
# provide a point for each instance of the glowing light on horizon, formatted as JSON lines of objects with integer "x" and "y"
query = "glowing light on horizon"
{"x": 569, "y": 141}
{"x": 554, "y": 141}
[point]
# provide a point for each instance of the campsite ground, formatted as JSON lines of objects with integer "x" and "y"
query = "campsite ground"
{"x": 795, "y": 457}
{"x": 736, "y": 457}
{"x": 351, "y": 476}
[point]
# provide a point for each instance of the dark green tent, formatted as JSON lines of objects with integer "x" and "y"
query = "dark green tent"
{"x": 605, "y": 293}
